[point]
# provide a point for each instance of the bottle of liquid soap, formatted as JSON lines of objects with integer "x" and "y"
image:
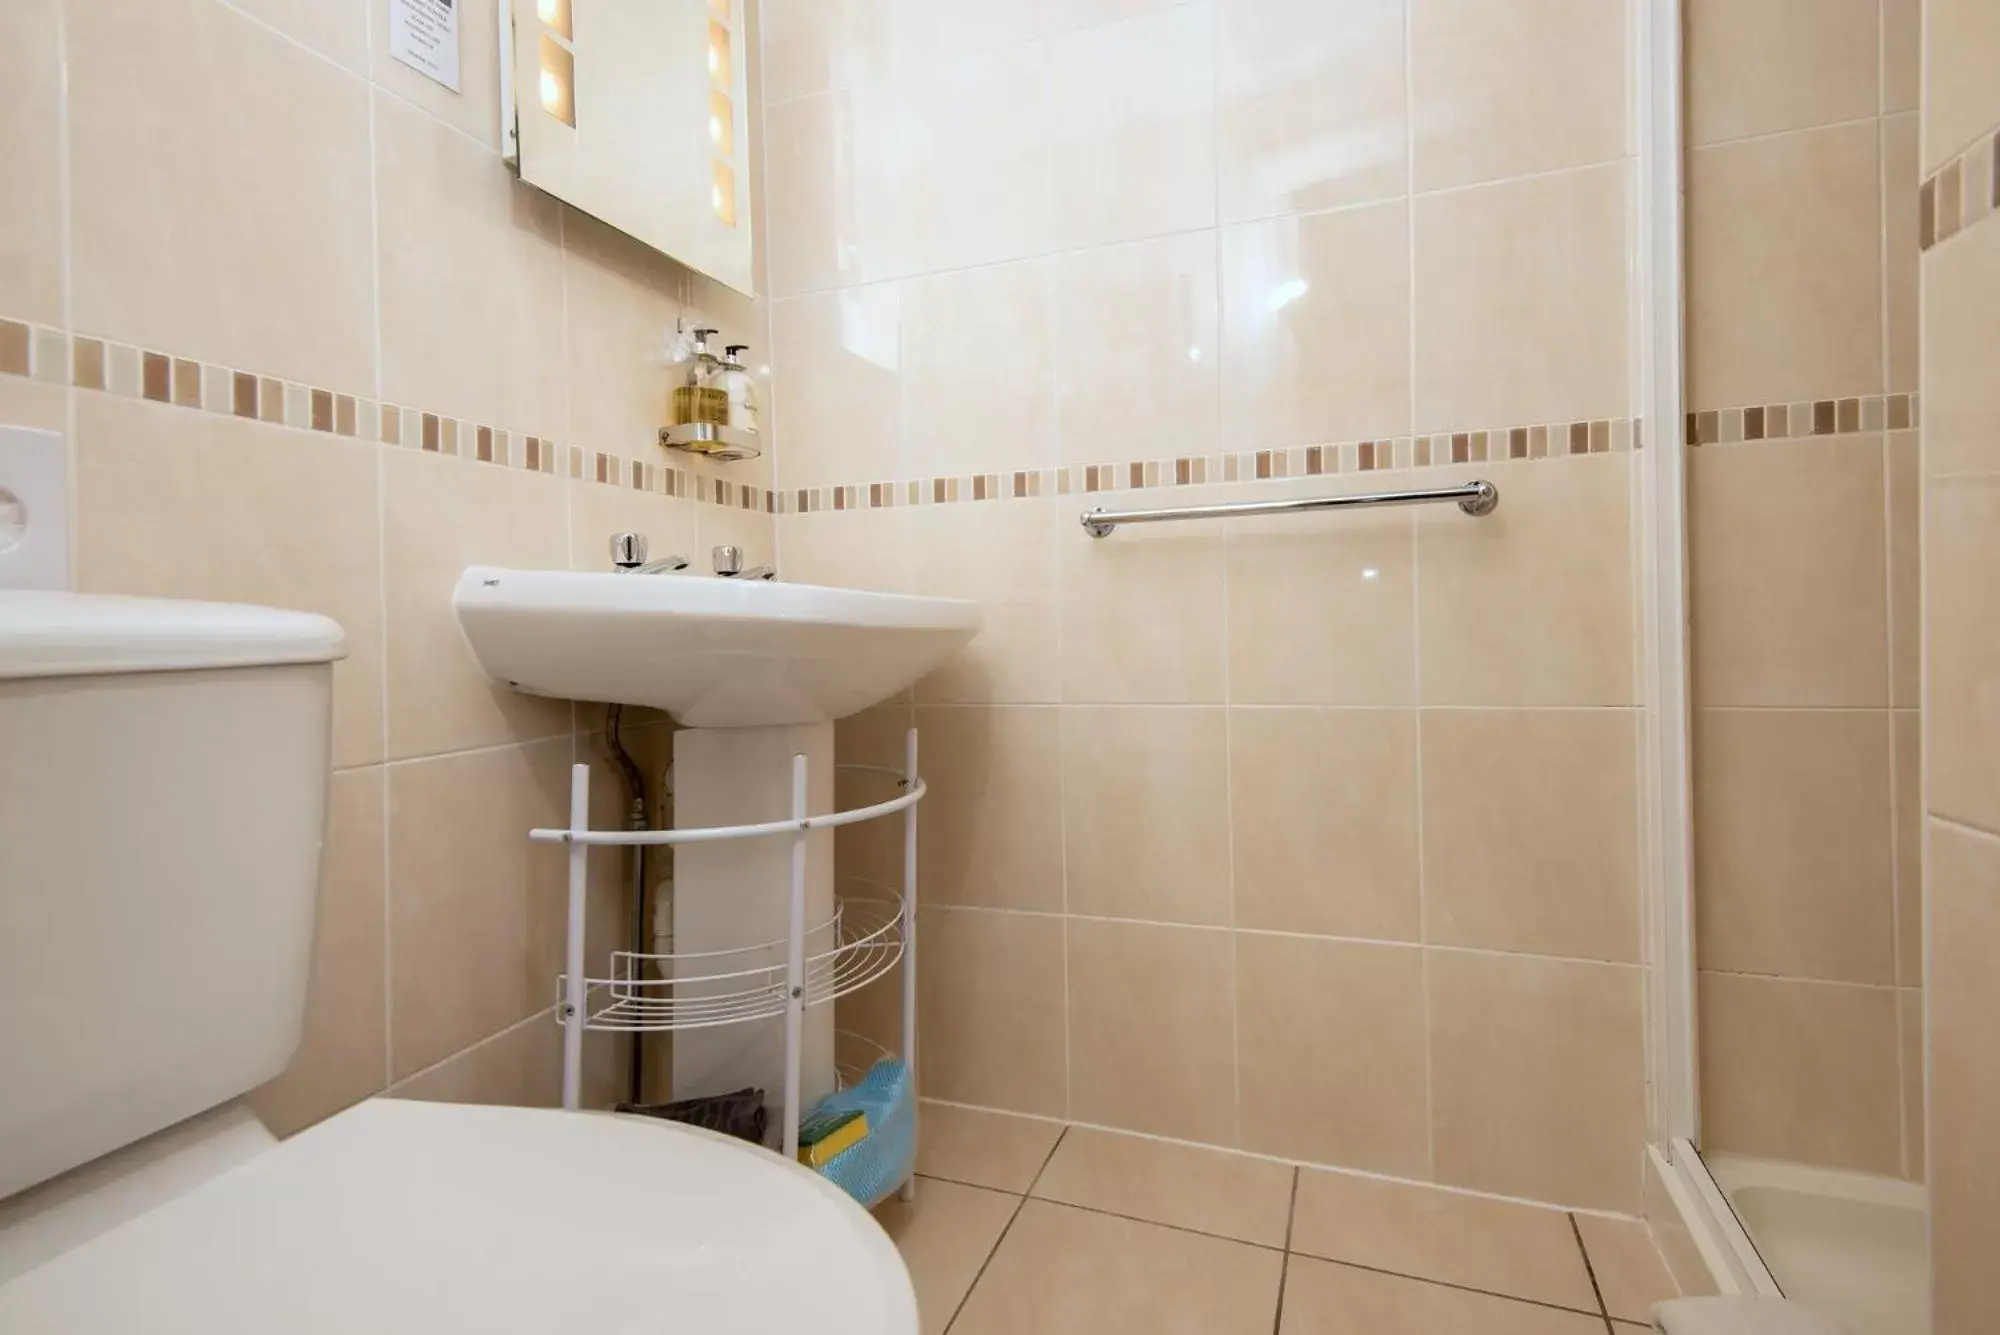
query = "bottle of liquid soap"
{"x": 735, "y": 382}
{"x": 699, "y": 399}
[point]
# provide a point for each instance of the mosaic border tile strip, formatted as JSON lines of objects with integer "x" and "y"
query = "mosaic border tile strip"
{"x": 81, "y": 361}
{"x": 1438, "y": 450}
{"x": 1960, "y": 194}
{"x": 1799, "y": 421}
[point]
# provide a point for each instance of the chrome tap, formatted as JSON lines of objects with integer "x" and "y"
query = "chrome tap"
{"x": 628, "y": 553}
{"x": 729, "y": 565}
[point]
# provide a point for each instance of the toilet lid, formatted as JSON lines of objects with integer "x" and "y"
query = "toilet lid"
{"x": 399, "y": 1216}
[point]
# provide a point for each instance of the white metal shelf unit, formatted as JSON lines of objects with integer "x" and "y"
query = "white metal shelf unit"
{"x": 647, "y": 993}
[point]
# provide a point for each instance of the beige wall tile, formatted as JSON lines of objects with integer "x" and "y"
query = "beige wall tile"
{"x": 1902, "y": 54}
{"x": 1525, "y": 1251}
{"x": 1961, "y": 47}
{"x": 1185, "y": 1186}
{"x": 984, "y": 1149}
{"x": 1071, "y": 1272}
{"x": 1146, "y": 813}
{"x": 1323, "y": 810}
{"x": 1322, "y": 608}
{"x": 475, "y": 108}
{"x": 439, "y": 516}
{"x": 1316, "y": 344}
{"x": 1900, "y": 248}
{"x": 1137, "y": 378}
{"x": 1801, "y": 1071}
{"x": 1503, "y": 90}
{"x": 1310, "y": 104}
{"x": 1787, "y": 572}
{"x": 847, "y": 549}
{"x": 31, "y": 236}
{"x": 1322, "y": 1297}
{"x": 944, "y": 1236}
{"x": 838, "y": 392}
{"x": 1575, "y": 1134}
{"x": 1549, "y": 867}
{"x": 1793, "y": 863}
{"x": 1906, "y": 594}
{"x": 1142, "y": 612}
{"x": 1626, "y": 1265}
{"x": 1962, "y": 542}
{"x": 1964, "y": 996}
{"x": 192, "y": 227}
{"x": 476, "y": 911}
{"x": 979, "y": 371}
{"x": 1135, "y": 106}
{"x": 813, "y": 45}
{"x": 1784, "y": 313}
{"x": 992, "y": 1007}
{"x": 1907, "y": 755}
{"x": 814, "y": 180}
{"x": 472, "y": 280}
{"x": 1330, "y": 1052}
{"x": 929, "y": 33}
{"x": 342, "y": 1057}
{"x": 1961, "y": 327}
{"x": 1151, "y": 1038}
{"x": 1759, "y": 66}
{"x": 1910, "y": 1032}
{"x": 1521, "y": 302}
{"x": 1004, "y": 556}
{"x": 177, "y": 504}
{"x": 520, "y": 1067}
{"x": 670, "y": 525}
{"x": 871, "y": 850}
{"x": 29, "y": 403}
{"x": 1531, "y": 605}
{"x": 993, "y": 824}
{"x": 337, "y": 29}
{"x": 621, "y": 300}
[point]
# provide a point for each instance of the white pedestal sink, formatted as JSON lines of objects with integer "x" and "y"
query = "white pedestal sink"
{"x": 756, "y": 672}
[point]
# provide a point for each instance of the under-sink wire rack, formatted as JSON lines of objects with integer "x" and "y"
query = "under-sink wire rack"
{"x": 813, "y": 964}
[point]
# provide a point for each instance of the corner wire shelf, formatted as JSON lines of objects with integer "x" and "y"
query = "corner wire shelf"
{"x": 863, "y": 940}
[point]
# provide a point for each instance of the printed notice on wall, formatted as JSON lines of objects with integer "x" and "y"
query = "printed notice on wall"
{"x": 423, "y": 34}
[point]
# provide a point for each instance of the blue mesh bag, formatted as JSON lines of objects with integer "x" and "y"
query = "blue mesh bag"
{"x": 875, "y": 1166}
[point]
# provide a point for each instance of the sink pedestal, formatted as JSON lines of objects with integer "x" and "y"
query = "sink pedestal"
{"x": 736, "y": 893}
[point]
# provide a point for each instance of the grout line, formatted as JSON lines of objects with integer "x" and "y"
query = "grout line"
{"x": 1285, "y": 1266}
{"x": 1007, "y": 1228}
{"x": 544, "y": 1016}
{"x": 1767, "y": 135}
{"x": 1596, "y": 1290}
{"x": 1447, "y": 1284}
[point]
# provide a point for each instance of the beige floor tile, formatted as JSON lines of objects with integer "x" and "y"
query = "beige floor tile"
{"x": 1209, "y": 1191}
{"x": 1326, "y": 1299}
{"x": 945, "y": 1235}
{"x": 1071, "y": 1272}
{"x": 1626, "y": 1264}
{"x": 1500, "y": 1246}
{"x": 985, "y": 1149}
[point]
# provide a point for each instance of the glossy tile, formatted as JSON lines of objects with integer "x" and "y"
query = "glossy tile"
{"x": 1961, "y": 46}
{"x": 1071, "y": 1272}
{"x": 519, "y": 1067}
{"x": 621, "y": 300}
{"x": 1523, "y": 1251}
{"x": 1778, "y": 314}
{"x": 1004, "y": 556}
{"x": 1962, "y": 726}
{"x": 944, "y": 1236}
{"x": 1910, "y": 1035}
{"x": 1146, "y": 805}
{"x": 983, "y": 1149}
{"x": 1326, "y": 1299}
{"x": 992, "y": 1009}
{"x": 1316, "y": 341}
{"x": 1902, "y": 54}
{"x": 1550, "y": 867}
{"x": 1142, "y": 614}
{"x": 1505, "y": 90}
{"x": 822, "y": 196}
{"x": 1800, "y": 1071}
{"x": 1521, "y": 302}
{"x": 979, "y": 371}
{"x": 992, "y": 832}
{"x": 1907, "y": 755}
{"x": 1531, "y": 605}
{"x": 1151, "y": 1034}
{"x": 31, "y": 97}
{"x": 839, "y": 385}
{"x": 1793, "y": 822}
{"x": 179, "y": 238}
{"x": 1331, "y": 1065}
{"x": 1185, "y": 1186}
{"x": 813, "y": 45}
{"x": 1900, "y": 248}
{"x": 1961, "y": 409}
{"x": 1787, "y": 565}
{"x": 1756, "y": 69}
{"x": 1323, "y": 821}
{"x": 473, "y": 110}
{"x": 1906, "y": 595}
{"x": 1576, "y": 1133}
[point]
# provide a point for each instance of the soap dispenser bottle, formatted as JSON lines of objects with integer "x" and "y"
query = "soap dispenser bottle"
{"x": 735, "y": 383}
{"x": 699, "y": 399}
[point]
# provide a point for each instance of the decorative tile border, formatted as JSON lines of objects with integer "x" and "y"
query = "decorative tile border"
{"x": 1544, "y": 441}
{"x": 1960, "y": 194}
{"x": 1796, "y": 421}
{"x": 55, "y": 358}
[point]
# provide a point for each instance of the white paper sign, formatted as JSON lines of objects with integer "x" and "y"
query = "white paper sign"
{"x": 423, "y": 34}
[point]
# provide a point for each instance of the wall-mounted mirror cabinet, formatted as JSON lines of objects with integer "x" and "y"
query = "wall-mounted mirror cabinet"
{"x": 636, "y": 112}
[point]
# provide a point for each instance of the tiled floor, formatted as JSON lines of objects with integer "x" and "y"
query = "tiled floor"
{"x": 1022, "y": 1227}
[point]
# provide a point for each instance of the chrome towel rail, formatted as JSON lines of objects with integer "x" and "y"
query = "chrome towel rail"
{"x": 1475, "y": 498}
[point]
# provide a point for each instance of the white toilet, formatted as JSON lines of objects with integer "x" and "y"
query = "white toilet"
{"x": 163, "y": 772}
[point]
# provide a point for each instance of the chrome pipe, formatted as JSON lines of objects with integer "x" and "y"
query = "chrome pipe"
{"x": 1475, "y": 498}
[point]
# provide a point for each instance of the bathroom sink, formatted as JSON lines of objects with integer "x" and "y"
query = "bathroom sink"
{"x": 714, "y": 653}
